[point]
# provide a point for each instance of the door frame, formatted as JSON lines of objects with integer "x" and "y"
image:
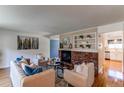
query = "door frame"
{"x": 99, "y": 51}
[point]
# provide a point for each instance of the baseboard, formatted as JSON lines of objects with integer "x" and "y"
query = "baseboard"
{"x": 4, "y": 68}
{"x": 115, "y": 60}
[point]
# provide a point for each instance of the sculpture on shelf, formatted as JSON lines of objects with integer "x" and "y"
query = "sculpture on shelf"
{"x": 82, "y": 46}
{"x": 81, "y": 36}
{"x": 89, "y": 36}
{"x": 88, "y": 46}
{"x": 61, "y": 45}
{"x": 70, "y": 46}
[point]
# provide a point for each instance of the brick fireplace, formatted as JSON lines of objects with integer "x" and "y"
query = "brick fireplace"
{"x": 78, "y": 57}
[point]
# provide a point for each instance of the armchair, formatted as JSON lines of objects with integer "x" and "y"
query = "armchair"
{"x": 86, "y": 79}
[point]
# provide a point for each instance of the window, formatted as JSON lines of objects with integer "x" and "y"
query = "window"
{"x": 115, "y": 45}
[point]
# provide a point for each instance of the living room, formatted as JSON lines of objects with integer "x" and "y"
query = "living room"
{"x": 60, "y": 40}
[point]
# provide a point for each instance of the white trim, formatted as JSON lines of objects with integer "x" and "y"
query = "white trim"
{"x": 5, "y": 67}
{"x": 79, "y": 50}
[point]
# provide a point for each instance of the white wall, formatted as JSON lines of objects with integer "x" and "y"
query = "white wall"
{"x": 8, "y": 47}
{"x": 54, "y": 37}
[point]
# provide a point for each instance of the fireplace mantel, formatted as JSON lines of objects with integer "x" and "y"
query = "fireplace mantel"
{"x": 78, "y": 50}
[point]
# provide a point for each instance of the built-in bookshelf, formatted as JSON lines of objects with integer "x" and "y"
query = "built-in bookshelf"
{"x": 85, "y": 41}
{"x": 82, "y": 45}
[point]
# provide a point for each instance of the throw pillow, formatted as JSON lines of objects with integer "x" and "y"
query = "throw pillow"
{"x": 30, "y": 71}
{"x": 21, "y": 61}
{"x": 78, "y": 69}
{"x": 84, "y": 70}
{"x": 37, "y": 70}
{"x": 81, "y": 69}
{"x": 18, "y": 59}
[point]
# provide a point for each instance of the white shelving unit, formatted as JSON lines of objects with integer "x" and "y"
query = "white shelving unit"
{"x": 85, "y": 41}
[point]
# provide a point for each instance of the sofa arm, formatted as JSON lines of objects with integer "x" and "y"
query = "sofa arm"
{"x": 75, "y": 79}
{"x": 43, "y": 79}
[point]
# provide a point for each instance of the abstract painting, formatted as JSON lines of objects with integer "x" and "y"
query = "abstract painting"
{"x": 25, "y": 42}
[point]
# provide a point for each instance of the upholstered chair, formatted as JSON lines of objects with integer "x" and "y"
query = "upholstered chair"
{"x": 82, "y": 79}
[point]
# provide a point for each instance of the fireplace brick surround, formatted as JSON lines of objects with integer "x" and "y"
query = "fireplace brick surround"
{"x": 78, "y": 57}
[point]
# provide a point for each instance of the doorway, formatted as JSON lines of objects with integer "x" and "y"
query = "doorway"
{"x": 111, "y": 57}
{"x": 54, "y": 46}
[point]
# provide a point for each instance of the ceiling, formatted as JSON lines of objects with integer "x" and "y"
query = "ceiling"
{"x": 57, "y": 19}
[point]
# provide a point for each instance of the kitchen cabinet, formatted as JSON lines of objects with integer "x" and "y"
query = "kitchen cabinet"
{"x": 117, "y": 56}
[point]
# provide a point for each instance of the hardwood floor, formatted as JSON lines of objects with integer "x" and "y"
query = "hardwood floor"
{"x": 114, "y": 73}
{"x": 5, "y": 78}
{"x": 111, "y": 77}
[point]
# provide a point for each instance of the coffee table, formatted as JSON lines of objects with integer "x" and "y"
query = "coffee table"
{"x": 54, "y": 65}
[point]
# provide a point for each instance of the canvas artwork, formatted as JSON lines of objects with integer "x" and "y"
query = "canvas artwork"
{"x": 25, "y": 42}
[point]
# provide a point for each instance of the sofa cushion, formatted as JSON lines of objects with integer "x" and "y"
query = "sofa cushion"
{"x": 23, "y": 60}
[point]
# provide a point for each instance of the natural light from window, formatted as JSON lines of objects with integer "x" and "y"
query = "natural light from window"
{"x": 115, "y": 46}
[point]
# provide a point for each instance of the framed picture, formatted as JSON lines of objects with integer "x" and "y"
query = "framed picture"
{"x": 25, "y": 42}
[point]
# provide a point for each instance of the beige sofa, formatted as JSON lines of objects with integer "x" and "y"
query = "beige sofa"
{"x": 19, "y": 79}
{"x": 80, "y": 80}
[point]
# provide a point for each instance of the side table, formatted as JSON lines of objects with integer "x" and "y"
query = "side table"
{"x": 60, "y": 68}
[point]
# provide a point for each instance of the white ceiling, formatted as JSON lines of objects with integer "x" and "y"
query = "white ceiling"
{"x": 57, "y": 19}
{"x": 115, "y": 34}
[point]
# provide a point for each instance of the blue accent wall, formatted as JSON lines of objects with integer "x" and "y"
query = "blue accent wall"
{"x": 54, "y": 46}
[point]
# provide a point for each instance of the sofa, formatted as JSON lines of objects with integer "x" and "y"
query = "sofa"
{"x": 42, "y": 79}
{"x": 86, "y": 79}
